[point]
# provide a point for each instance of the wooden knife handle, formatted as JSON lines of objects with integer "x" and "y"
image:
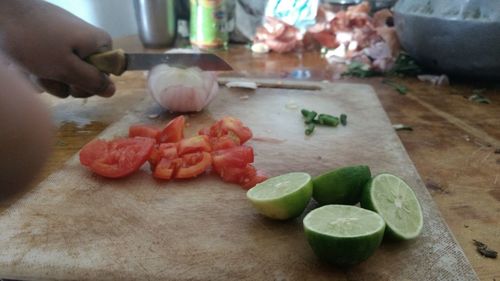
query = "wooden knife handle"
{"x": 113, "y": 61}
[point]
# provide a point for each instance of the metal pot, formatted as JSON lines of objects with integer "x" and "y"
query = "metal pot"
{"x": 156, "y": 22}
{"x": 457, "y": 37}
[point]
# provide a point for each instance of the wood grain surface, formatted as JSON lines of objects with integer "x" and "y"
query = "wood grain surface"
{"x": 76, "y": 225}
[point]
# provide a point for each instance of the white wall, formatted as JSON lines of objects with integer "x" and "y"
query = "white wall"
{"x": 115, "y": 16}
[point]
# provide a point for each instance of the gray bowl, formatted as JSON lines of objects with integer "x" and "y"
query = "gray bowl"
{"x": 456, "y": 37}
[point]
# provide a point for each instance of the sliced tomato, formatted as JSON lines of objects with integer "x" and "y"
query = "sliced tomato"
{"x": 163, "y": 150}
{"x": 174, "y": 131}
{"x": 116, "y": 158}
{"x": 251, "y": 182}
{"x": 168, "y": 150}
{"x": 166, "y": 168}
{"x": 224, "y": 142}
{"x": 193, "y": 164}
{"x": 238, "y": 175}
{"x": 231, "y": 124}
{"x": 92, "y": 151}
{"x": 204, "y": 131}
{"x": 146, "y": 131}
{"x": 228, "y": 126}
{"x": 235, "y": 157}
{"x": 194, "y": 144}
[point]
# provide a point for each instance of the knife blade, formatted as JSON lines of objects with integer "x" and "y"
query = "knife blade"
{"x": 117, "y": 61}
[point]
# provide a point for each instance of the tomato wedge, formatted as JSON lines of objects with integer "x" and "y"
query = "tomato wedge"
{"x": 224, "y": 142}
{"x": 163, "y": 150}
{"x": 231, "y": 124}
{"x": 251, "y": 182}
{"x": 193, "y": 164}
{"x": 166, "y": 168}
{"x": 235, "y": 157}
{"x": 146, "y": 131}
{"x": 228, "y": 126}
{"x": 116, "y": 158}
{"x": 194, "y": 144}
{"x": 174, "y": 131}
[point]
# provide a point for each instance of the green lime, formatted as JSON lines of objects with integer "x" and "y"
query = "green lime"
{"x": 341, "y": 186}
{"x": 343, "y": 235}
{"x": 396, "y": 202}
{"x": 282, "y": 197}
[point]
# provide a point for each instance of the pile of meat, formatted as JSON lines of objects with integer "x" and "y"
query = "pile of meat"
{"x": 348, "y": 35}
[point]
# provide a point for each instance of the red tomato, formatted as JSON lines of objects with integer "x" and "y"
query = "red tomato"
{"x": 238, "y": 175}
{"x": 231, "y": 124}
{"x": 174, "y": 131}
{"x": 166, "y": 168}
{"x": 228, "y": 126}
{"x": 251, "y": 182}
{"x": 193, "y": 164}
{"x": 235, "y": 157}
{"x": 224, "y": 142}
{"x": 146, "y": 131}
{"x": 194, "y": 144}
{"x": 116, "y": 158}
{"x": 168, "y": 150}
{"x": 93, "y": 150}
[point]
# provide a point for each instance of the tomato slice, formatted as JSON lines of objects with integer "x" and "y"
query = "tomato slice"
{"x": 193, "y": 164}
{"x": 228, "y": 126}
{"x": 166, "y": 168}
{"x": 146, "y": 131}
{"x": 231, "y": 124}
{"x": 194, "y": 144}
{"x": 224, "y": 142}
{"x": 116, "y": 158}
{"x": 174, "y": 131}
{"x": 251, "y": 182}
{"x": 92, "y": 151}
{"x": 235, "y": 157}
{"x": 238, "y": 175}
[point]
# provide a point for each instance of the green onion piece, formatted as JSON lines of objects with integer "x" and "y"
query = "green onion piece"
{"x": 343, "y": 119}
{"x": 328, "y": 120}
{"x": 308, "y": 115}
{"x": 310, "y": 129}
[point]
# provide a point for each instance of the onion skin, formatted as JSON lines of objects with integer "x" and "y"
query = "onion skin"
{"x": 182, "y": 90}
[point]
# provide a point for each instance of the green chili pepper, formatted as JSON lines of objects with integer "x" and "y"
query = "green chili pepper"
{"x": 308, "y": 115}
{"x": 310, "y": 128}
{"x": 343, "y": 119}
{"x": 328, "y": 120}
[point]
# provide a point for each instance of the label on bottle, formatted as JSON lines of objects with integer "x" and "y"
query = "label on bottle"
{"x": 208, "y": 26}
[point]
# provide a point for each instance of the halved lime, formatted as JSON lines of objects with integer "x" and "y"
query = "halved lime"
{"x": 343, "y": 235}
{"x": 341, "y": 186}
{"x": 282, "y": 197}
{"x": 396, "y": 202}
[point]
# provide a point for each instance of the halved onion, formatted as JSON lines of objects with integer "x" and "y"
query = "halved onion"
{"x": 182, "y": 90}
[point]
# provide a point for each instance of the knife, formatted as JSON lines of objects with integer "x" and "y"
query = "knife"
{"x": 117, "y": 61}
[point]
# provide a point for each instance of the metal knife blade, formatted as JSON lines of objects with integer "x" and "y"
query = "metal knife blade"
{"x": 145, "y": 61}
{"x": 117, "y": 61}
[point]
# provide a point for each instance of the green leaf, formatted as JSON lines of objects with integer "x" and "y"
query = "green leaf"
{"x": 479, "y": 99}
{"x": 402, "y": 89}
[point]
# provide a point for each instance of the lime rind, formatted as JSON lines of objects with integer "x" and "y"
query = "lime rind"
{"x": 279, "y": 186}
{"x": 343, "y": 221}
{"x": 341, "y": 186}
{"x": 333, "y": 245}
{"x": 398, "y": 205}
{"x": 282, "y": 197}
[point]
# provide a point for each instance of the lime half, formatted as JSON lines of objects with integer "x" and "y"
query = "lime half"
{"x": 342, "y": 234}
{"x": 282, "y": 197}
{"x": 396, "y": 202}
{"x": 341, "y": 186}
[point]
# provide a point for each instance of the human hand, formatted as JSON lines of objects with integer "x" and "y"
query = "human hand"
{"x": 51, "y": 44}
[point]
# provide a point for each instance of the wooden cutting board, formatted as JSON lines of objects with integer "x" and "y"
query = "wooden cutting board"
{"x": 76, "y": 225}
